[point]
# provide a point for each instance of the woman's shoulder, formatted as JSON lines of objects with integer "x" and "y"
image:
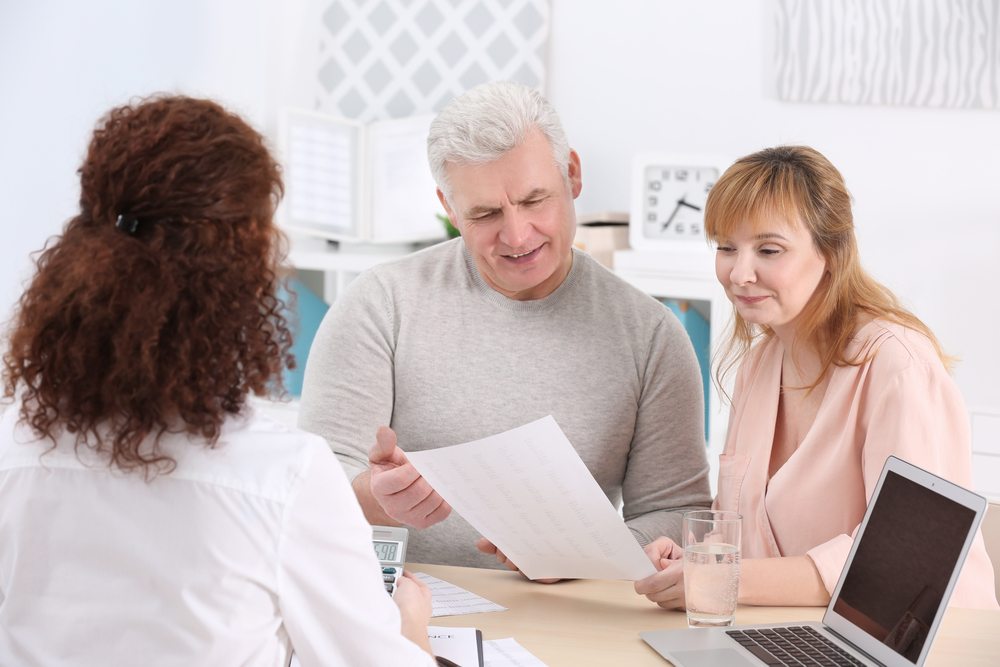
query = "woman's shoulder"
{"x": 255, "y": 455}
{"x": 255, "y": 452}
{"x": 890, "y": 344}
{"x": 257, "y": 427}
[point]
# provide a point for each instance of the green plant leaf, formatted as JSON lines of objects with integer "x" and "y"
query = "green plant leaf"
{"x": 448, "y": 227}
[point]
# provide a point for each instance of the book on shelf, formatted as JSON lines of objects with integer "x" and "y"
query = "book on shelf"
{"x": 358, "y": 182}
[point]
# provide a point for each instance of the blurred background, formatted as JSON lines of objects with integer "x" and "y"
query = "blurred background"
{"x": 627, "y": 77}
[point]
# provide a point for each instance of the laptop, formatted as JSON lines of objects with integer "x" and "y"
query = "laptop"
{"x": 891, "y": 596}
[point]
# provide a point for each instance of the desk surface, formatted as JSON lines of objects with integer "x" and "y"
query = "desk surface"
{"x": 596, "y": 622}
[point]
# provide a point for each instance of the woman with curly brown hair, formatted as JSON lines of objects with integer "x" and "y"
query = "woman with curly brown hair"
{"x": 146, "y": 509}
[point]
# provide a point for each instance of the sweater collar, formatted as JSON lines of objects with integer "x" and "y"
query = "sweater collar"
{"x": 513, "y": 305}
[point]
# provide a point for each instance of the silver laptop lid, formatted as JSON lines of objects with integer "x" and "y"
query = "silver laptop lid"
{"x": 906, "y": 558}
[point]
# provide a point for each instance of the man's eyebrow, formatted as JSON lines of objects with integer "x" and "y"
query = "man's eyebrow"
{"x": 533, "y": 195}
{"x": 480, "y": 209}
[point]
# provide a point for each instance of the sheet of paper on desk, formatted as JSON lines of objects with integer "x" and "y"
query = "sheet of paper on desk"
{"x": 528, "y": 492}
{"x": 508, "y": 653}
{"x": 450, "y": 600}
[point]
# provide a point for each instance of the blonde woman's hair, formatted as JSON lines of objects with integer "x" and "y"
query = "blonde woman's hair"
{"x": 797, "y": 185}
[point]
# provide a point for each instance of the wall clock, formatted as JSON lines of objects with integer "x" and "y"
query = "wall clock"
{"x": 668, "y": 200}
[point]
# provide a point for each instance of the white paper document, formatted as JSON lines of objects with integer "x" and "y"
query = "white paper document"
{"x": 508, "y": 653}
{"x": 460, "y": 645}
{"x": 450, "y": 600}
{"x": 528, "y": 492}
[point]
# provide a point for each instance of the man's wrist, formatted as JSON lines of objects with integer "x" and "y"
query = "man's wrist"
{"x": 370, "y": 506}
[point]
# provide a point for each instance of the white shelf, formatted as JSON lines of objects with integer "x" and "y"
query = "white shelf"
{"x": 339, "y": 261}
{"x": 341, "y": 266}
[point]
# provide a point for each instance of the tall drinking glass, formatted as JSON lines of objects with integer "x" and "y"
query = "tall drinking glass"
{"x": 711, "y": 567}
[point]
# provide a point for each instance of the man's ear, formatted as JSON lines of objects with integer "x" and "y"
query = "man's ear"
{"x": 447, "y": 208}
{"x": 575, "y": 174}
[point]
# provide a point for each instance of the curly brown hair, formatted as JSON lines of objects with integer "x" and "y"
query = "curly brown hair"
{"x": 167, "y": 322}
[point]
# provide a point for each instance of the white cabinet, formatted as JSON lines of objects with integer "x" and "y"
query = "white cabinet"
{"x": 986, "y": 451}
{"x": 688, "y": 275}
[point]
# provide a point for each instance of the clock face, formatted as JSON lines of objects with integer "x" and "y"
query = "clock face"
{"x": 673, "y": 201}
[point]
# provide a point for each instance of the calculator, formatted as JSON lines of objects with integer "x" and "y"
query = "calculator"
{"x": 390, "y": 548}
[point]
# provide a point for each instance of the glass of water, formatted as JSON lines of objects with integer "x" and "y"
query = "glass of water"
{"x": 711, "y": 567}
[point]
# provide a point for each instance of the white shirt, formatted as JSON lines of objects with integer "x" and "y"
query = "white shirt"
{"x": 243, "y": 552}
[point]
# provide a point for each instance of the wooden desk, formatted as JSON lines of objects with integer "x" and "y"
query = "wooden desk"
{"x": 596, "y": 622}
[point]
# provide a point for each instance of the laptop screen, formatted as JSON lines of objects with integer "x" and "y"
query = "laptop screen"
{"x": 901, "y": 568}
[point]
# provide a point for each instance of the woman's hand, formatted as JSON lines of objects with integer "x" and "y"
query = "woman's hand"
{"x": 666, "y": 587}
{"x": 414, "y": 601}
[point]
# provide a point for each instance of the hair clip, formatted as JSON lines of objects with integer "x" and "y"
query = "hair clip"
{"x": 127, "y": 223}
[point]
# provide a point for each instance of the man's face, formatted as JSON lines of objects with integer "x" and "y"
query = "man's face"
{"x": 517, "y": 218}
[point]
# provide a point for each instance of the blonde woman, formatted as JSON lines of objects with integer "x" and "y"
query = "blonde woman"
{"x": 834, "y": 376}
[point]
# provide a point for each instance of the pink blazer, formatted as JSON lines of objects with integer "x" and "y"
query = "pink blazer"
{"x": 900, "y": 402}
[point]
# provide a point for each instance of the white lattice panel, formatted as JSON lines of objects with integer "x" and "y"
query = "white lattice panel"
{"x": 381, "y": 59}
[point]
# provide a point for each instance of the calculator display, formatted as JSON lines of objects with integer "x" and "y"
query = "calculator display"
{"x": 386, "y": 551}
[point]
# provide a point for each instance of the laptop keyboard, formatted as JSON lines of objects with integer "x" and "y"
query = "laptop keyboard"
{"x": 794, "y": 646}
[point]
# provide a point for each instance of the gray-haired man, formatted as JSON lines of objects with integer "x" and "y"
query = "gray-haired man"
{"x": 499, "y": 328}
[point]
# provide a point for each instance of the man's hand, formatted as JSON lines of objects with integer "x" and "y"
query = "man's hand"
{"x": 488, "y": 547}
{"x": 395, "y": 484}
{"x": 666, "y": 587}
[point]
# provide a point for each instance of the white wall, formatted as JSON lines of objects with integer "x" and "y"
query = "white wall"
{"x": 672, "y": 75}
{"x": 629, "y": 76}
{"x": 64, "y": 64}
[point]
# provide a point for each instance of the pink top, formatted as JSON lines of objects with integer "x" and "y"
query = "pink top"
{"x": 900, "y": 402}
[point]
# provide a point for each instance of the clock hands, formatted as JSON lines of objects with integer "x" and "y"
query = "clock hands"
{"x": 680, "y": 202}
